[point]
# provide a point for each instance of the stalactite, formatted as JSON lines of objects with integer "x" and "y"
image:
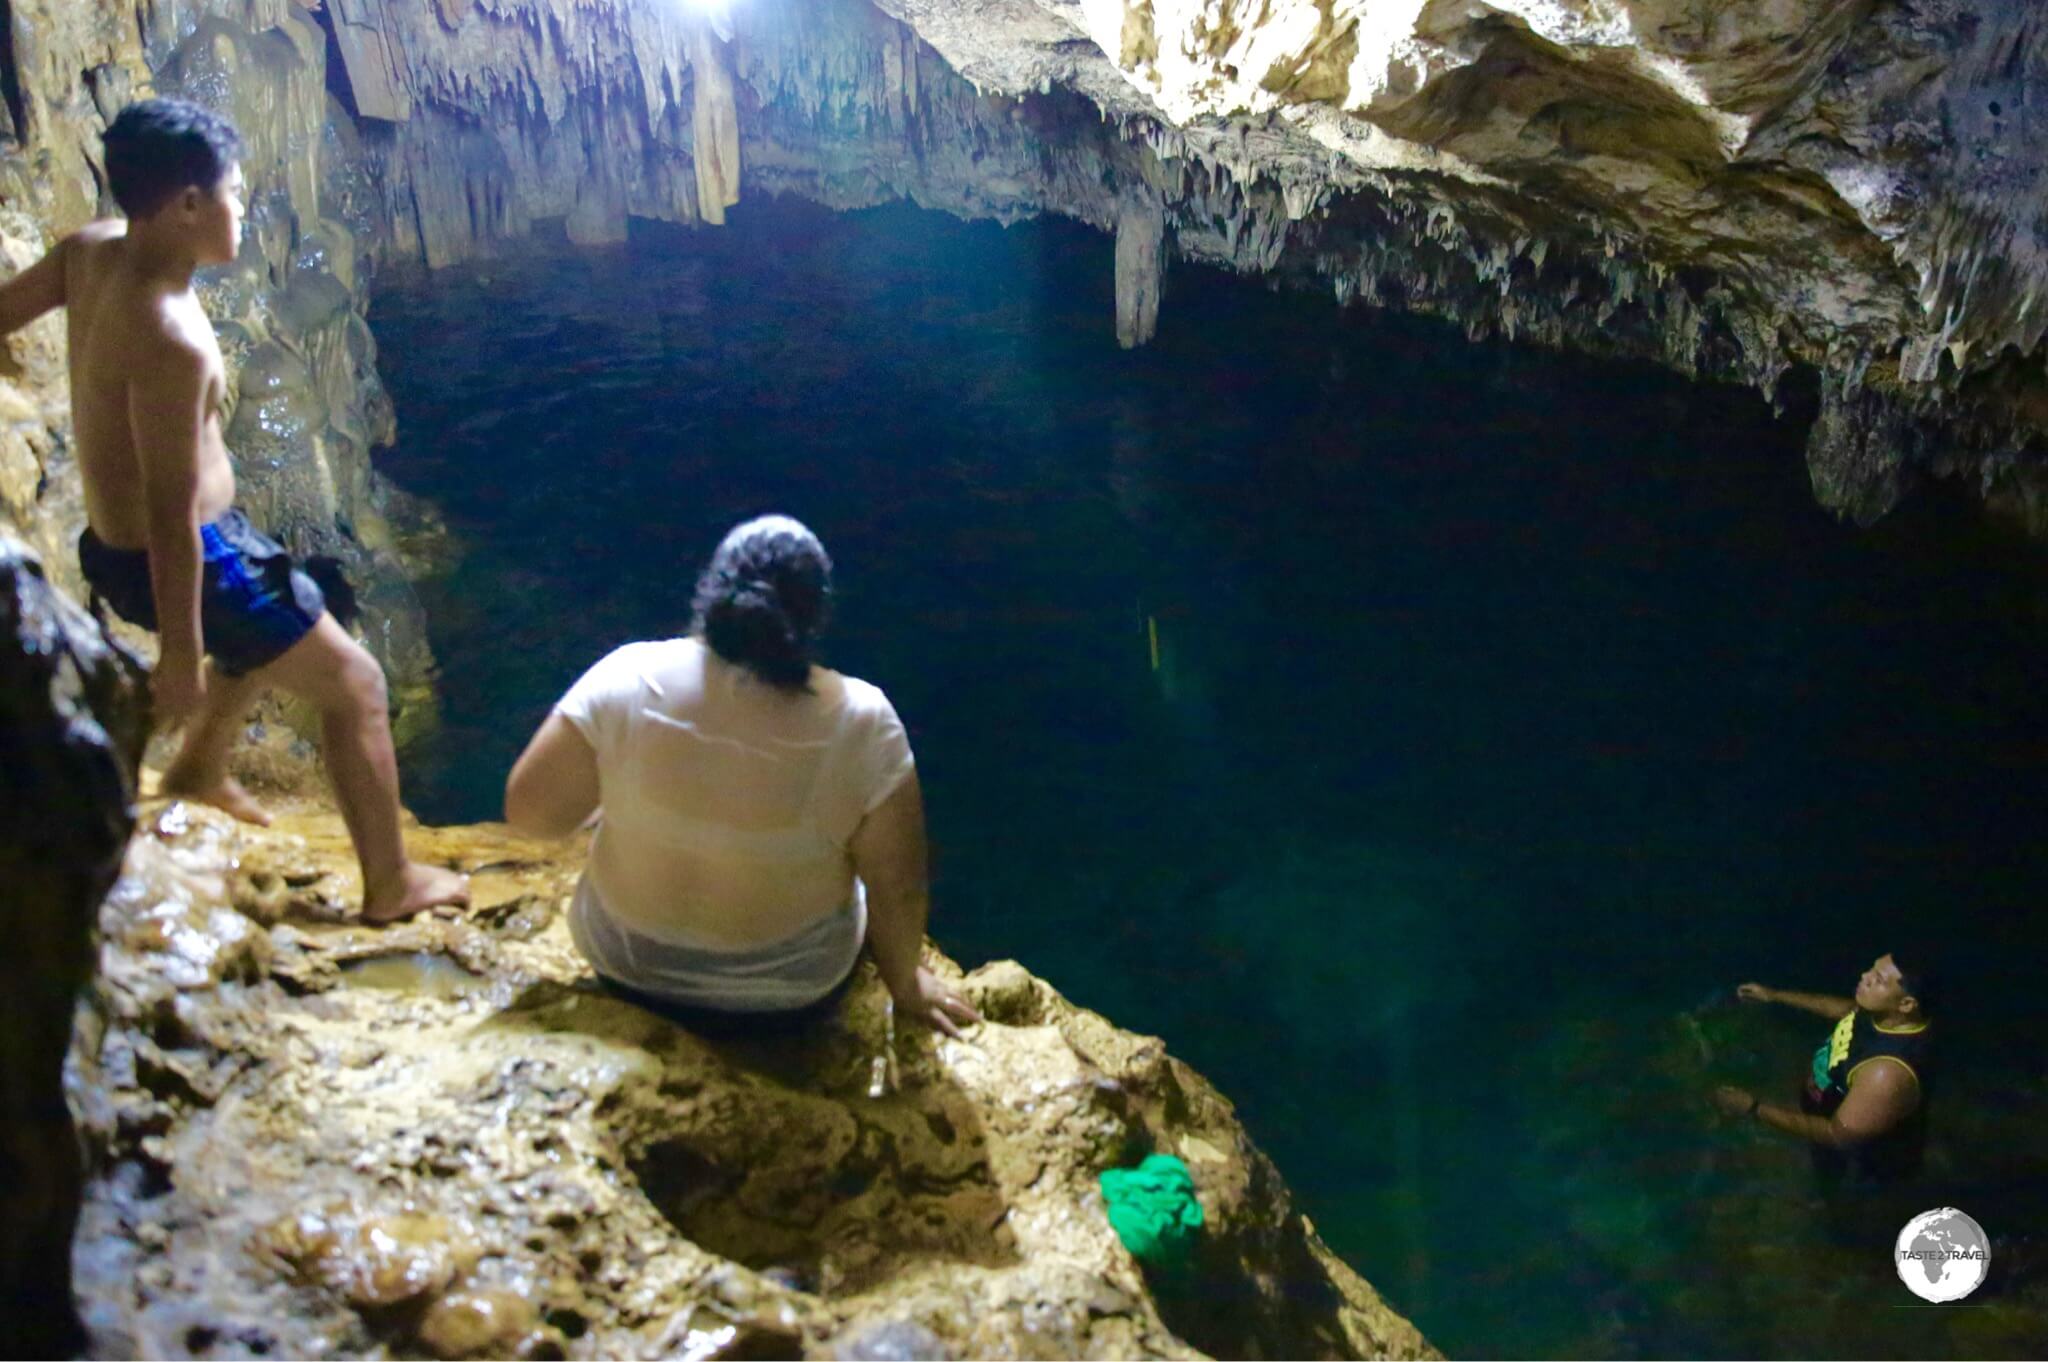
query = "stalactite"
{"x": 715, "y": 126}
{"x": 1140, "y": 271}
{"x": 374, "y": 72}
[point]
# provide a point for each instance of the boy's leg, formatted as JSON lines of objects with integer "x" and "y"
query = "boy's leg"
{"x": 201, "y": 769}
{"x": 345, "y": 685}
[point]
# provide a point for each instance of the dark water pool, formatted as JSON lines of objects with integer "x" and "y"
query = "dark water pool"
{"x": 1419, "y": 735}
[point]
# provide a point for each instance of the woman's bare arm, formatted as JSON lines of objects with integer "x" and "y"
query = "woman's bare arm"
{"x": 553, "y": 788}
{"x": 890, "y": 856}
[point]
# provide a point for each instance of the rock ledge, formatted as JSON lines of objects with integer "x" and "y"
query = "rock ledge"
{"x": 314, "y": 1138}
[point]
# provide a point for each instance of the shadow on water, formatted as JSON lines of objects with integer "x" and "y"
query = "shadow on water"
{"x": 1413, "y": 732}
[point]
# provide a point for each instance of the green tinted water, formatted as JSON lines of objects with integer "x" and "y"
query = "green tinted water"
{"x": 1419, "y": 735}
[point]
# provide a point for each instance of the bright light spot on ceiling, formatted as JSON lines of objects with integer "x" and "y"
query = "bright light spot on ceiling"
{"x": 718, "y": 12}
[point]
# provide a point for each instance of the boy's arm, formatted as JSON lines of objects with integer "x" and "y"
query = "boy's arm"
{"x": 34, "y": 291}
{"x": 166, "y": 415}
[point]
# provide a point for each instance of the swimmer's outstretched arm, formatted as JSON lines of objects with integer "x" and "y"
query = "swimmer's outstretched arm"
{"x": 36, "y": 290}
{"x": 1820, "y": 1004}
{"x": 1882, "y": 1093}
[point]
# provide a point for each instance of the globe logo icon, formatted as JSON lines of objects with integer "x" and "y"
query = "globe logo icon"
{"x": 1942, "y": 1255}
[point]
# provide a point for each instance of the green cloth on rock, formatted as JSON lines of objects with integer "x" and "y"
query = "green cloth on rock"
{"x": 1153, "y": 1210}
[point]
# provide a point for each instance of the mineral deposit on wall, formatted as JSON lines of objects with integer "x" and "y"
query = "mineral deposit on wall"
{"x": 1733, "y": 189}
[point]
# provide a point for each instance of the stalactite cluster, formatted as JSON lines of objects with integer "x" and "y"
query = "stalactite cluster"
{"x": 1774, "y": 191}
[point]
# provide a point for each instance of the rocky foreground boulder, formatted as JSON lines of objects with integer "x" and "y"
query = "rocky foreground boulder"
{"x": 71, "y": 719}
{"x": 315, "y": 1138}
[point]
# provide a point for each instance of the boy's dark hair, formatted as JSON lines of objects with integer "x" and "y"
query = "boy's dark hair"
{"x": 158, "y": 148}
{"x": 762, "y": 600}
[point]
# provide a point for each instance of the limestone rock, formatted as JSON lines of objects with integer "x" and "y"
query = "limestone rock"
{"x": 1864, "y": 451}
{"x": 487, "y": 1323}
{"x": 715, "y": 126}
{"x": 39, "y": 491}
{"x": 1140, "y": 272}
{"x": 71, "y": 715}
{"x": 1733, "y": 190}
{"x": 444, "y": 1137}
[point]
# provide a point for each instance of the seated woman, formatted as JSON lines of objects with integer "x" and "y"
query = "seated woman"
{"x": 758, "y": 816}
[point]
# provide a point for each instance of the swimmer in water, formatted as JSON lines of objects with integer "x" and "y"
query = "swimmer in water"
{"x": 1863, "y": 1110}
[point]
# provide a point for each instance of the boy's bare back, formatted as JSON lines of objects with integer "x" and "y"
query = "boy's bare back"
{"x": 140, "y": 357}
{"x": 165, "y": 550}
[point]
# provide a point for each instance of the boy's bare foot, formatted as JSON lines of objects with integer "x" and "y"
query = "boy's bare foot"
{"x": 225, "y": 794}
{"x": 417, "y": 888}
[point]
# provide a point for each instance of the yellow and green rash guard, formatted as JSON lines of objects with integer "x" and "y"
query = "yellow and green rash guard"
{"x": 1856, "y": 1041}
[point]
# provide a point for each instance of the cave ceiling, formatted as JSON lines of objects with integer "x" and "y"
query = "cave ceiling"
{"x": 1738, "y": 188}
{"x": 1837, "y": 198}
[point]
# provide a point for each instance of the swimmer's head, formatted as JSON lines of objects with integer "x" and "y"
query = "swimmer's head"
{"x": 1899, "y": 983}
{"x": 762, "y": 601}
{"x": 176, "y": 166}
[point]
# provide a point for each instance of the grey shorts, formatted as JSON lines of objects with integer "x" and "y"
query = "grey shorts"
{"x": 779, "y": 977}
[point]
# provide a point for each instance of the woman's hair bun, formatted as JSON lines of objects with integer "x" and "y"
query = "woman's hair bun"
{"x": 761, "y": 601}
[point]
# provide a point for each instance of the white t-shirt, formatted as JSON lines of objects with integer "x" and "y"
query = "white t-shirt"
{"x": 727, "y": 805}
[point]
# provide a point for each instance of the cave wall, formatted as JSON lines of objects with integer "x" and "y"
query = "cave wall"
{"x": 1736, "y": 190}
{"x": 72, "y": 720}
{"x": 1741, "y": 190}
{"x": 305, "y": 403}
{"x": 525, "y": 110}
{"x": 1855, "y": 187}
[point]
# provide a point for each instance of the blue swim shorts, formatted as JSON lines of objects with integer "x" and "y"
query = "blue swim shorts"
{"x": 254, "y": 603}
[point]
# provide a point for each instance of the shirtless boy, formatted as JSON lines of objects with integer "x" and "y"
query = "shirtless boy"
{"x": 163, "y": 545}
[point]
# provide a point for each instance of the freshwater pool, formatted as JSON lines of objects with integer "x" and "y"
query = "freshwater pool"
{"x": 1421, "y": 736}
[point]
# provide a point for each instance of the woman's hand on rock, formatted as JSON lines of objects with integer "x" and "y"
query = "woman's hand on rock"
{"x": 935, "y": 1004}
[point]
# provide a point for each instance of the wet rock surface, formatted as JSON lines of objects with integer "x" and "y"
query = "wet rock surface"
{"x": 71, "y": 715}
{"x": 445, "y": 1138}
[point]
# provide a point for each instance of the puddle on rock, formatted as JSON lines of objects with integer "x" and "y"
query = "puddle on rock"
{"x": 418, "y": 972}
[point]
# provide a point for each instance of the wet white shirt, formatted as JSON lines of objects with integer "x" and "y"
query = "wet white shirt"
{"x": 727, "y": 805}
